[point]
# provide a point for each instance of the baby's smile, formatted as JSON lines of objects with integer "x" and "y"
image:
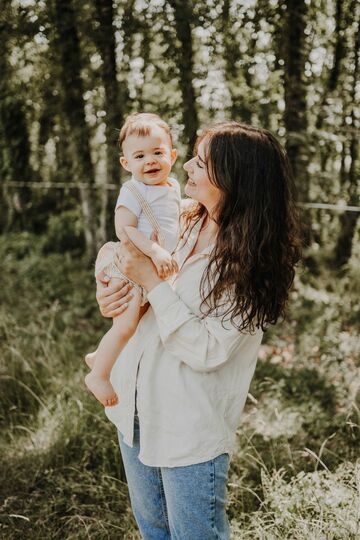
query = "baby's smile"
{"x": 152, "y": 171}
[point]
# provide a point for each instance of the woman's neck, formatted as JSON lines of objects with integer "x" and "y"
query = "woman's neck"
{"x": 209, "y": 229}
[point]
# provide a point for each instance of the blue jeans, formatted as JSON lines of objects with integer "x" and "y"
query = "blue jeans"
{"x": 177, "y": 503}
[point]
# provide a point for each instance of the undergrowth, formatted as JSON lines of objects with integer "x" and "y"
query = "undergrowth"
{"x": 295, "y": 472}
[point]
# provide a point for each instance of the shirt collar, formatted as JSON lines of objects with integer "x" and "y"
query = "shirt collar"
{"x": 191, "y": 239}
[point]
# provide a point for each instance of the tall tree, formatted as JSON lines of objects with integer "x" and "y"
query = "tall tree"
{"x": 144, "y": 23}
{"x": 105, "y": 40}
{"x": 348, "y": 220}
{"x": 185, "y": 58}
{"x": 66, "y": 41}
{"x": 338, "y": 56}
{"x": 14, "y": 132}
{"x": 295, "y": 116}
{"x": 129, "y": 27}
{"x": 239, "y": 109}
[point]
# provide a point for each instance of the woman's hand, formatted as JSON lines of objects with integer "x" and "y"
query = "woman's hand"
{"x": 113, "y": 299}
{"x": 134, "y": 264}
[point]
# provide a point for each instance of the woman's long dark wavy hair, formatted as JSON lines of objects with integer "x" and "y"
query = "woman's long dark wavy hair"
{"x": 252, "y": 266}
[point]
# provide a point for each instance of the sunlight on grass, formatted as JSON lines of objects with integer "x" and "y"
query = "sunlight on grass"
{"x": 295, "y": 470}
{"x": 318, "y": 505}
{"x": 272, "y": 419}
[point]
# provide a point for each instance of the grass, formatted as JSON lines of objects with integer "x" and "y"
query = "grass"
{"x": 295, "y": 473}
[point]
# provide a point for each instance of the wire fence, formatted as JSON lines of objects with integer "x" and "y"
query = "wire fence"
{"x": 338, "y": 207}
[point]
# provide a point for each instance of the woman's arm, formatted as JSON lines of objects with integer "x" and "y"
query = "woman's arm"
{"x": 201, "y": 342}
{"x": 204, "y": 343}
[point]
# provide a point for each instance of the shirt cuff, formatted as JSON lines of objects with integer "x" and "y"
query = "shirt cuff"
{"x": 161, "y": 297}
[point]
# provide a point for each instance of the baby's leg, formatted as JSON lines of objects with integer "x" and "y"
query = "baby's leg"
{"x": 104, "y": 257}
{"x": 90, "y": 357}
{"x": 110, "y": 346}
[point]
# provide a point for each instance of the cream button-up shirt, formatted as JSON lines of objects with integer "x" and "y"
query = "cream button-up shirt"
{"x": 188, "y": 373}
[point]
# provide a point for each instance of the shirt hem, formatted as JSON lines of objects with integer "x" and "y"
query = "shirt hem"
{"x": 172, "y": 463}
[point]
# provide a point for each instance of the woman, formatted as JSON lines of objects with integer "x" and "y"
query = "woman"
{"x": 185, "y": 374}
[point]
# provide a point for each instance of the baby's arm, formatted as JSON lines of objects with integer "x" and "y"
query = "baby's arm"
{"x": 165, "y": 264}
{"x": 123, "y": 218}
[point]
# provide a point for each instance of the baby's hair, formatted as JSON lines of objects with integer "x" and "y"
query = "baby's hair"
{"x": 140, "y": 124}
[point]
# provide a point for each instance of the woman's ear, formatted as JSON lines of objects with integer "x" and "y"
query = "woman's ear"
{"x": 173, "y": 156}
{"x": 124, "y": 163}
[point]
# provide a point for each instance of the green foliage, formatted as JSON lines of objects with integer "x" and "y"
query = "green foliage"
{"x": 293, "y": 474}
{"x": 65, "y": 232}
{"x": 60, "y": 459}
{"x": 295, "y": 467}
{"x": 234, "y": 62}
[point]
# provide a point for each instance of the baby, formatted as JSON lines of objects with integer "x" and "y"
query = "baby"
{"x": 148, "y": 203}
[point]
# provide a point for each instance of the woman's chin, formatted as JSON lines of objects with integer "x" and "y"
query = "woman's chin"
{"x": 190, "y": 191}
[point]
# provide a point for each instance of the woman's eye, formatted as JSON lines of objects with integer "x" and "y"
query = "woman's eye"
{"x": 198, "y": 164}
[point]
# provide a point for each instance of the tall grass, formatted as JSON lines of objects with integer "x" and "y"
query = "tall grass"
{"x": 295, "y": 473}
{"x": 61, "y": 474}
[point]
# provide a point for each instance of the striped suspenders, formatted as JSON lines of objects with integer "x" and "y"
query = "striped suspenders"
{"x": 148, "y": 211}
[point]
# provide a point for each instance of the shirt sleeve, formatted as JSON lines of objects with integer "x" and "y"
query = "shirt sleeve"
{"x": 202, "y": 343}
{"x": 127, "y": 199}
{"x": 177, "y": 187}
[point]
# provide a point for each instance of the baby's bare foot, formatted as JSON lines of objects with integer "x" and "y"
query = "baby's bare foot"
{"x": 102, "y": 389}
{"x": 90, "y": 359}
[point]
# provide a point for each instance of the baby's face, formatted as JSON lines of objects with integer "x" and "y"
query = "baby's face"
{"x": 149, "y": 158}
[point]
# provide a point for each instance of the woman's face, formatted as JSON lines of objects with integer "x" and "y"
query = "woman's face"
{"x": 198, "y": 186}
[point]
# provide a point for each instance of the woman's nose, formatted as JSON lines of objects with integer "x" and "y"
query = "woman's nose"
{"x": 187, "y": 165}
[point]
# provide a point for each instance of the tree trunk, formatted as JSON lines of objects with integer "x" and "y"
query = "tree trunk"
{"x": 183, "y": 17}
{"x": 129, "y": 27}
{"x": 339, "y": 53}
{"x": 295, "y": 93}
{"x": 66, "y": 41}
{"x": 295, "y": 117}
{"x": 105, "y": 38}
{"x": 239, "y": 110}
{"x": 348, "y": 220}
{"x": 14, "y": 133}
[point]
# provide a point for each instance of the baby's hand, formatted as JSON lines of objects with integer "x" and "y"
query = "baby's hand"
{"x": 164, "y": 262}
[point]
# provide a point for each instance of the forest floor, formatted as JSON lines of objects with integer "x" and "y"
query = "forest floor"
{"x": 296, "y": 469}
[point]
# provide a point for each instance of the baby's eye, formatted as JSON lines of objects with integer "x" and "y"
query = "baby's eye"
{"x": 158, "y": 153}
{"x": 139, "y": 156}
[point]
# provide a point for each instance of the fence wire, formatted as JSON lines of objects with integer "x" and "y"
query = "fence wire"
{"x": 338, "y": 207}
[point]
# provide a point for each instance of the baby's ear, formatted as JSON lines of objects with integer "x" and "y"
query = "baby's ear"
{"x": 173, "y": 156}
{"x": 124, "y": 162}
